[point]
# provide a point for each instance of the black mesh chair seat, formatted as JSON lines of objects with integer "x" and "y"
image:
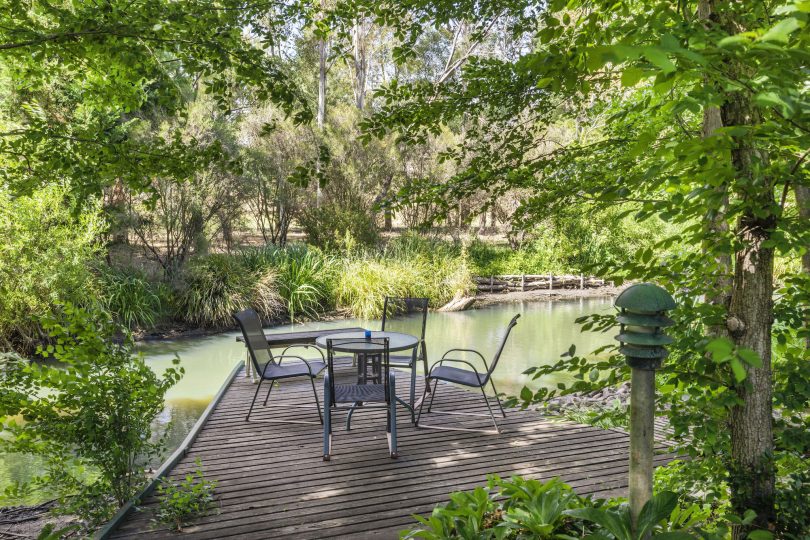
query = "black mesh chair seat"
{"x": 352, "y": 393}
{"x": 290, "y": 369}
{"x": 401, "y": 360}
{"x": 459, "y": 376}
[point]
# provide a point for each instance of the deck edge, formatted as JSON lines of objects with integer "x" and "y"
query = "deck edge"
{"x": 171, "y": 461}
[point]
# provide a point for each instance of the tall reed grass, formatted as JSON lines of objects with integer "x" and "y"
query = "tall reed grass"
{"x": 408, "y": 266}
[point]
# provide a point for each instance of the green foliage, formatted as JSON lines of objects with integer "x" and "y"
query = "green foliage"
{"x": 180, "y": 502}
{"x": 521, "y": 508}
{"x": 50, "y": 532}
{"x": 44, "y": 256}
{"x": 81, "y": 81}
{"x": 304, "y": 276}
{"x": 217, "y": 286}
{"x": 793, "y": 504}
{"x": 87, "y": 411}
{"x": 410, "y": 266}
{"x": 131, "y": 298}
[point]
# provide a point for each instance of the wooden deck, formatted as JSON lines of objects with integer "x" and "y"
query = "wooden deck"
{"x": 273, "y": 483}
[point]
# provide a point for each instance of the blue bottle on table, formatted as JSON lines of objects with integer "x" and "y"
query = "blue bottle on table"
{"x": 368, "y": 334}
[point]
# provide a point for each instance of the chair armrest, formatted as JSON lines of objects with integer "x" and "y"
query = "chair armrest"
{"x": 481, "y": 356}
{"x": 293, "y": 356}
{"x": 439, "y": 363}
{"x": 305, "y": 346}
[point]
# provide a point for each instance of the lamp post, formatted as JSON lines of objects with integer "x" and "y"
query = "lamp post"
{"x": 643, "y": 315}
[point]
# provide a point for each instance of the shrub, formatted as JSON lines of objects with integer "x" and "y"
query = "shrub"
{"x": 131, "y": 298}
{"x": 217, "y": 286}
{"x": 88, "y": 415}
{"x": 44, "y": 260}
{"x": 336, "y": 226}
{"x": 181, "y": 502}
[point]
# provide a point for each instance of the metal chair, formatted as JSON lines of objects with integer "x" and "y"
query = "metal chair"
{"x": 270, "y": 368}
{"x": 465, "y": 377}
{"x": 380, "y": 393}
{"x": 403, "y": 314}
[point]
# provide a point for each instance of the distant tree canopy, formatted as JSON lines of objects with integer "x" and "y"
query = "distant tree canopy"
{"x": 82, "y": 77}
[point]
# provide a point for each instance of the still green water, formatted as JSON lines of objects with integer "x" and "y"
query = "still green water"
{"x": 545, "y": 330}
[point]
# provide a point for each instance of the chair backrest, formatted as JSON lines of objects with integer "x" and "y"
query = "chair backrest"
{"x": 376, "y": 347}
{"x": 251, "y": 326}
{"x": 497, "y": 356}
{"x": 400, "y": 308}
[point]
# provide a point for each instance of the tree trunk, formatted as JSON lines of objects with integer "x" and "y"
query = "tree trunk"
{"x": 751, "y": 474}
{"x": 803, "y": 202}
{"x": 719, "y": 293}
{"x": 321, "y": 116}
{"x": 359, "y": 33}
{"x": 749, "y": 322}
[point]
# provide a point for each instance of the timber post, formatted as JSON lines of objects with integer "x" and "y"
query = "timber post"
{"x": 643, "y": 315}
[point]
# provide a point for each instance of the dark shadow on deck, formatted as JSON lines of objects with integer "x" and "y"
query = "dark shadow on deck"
{"x": 273, "y": 483}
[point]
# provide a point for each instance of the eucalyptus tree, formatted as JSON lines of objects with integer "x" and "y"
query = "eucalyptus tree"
{"x": 698, "y": 114}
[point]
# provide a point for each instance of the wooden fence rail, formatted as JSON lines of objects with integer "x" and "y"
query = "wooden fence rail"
{"x": 535, "y": 282}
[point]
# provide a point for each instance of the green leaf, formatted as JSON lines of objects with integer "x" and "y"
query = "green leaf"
{"x": 779, "y": 33}
{"x": 738, "y": 369}
{"x": 656, "y": 509}
{"x": 733, "y": 41}
{"x": 750, "y": 357}
{"x": 660, "y": 59}
{"x": 720, "y": 349}
{"x": 631, "y": 76}
{"x": 772, "y": 99}
{"x": 760, "y": 535}
{"x": 526, "y": 394}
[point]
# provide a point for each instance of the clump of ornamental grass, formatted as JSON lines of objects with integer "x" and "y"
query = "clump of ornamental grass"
{"x": 217, "y": 286}
{"x": 131, "y": 298}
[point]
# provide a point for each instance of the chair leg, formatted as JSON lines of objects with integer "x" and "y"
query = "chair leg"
{"x": 425, "y": 367}
{"x": 349, "y": 417}
{"x": 413, "y": 381}
{"x": 256, "y": 393}
{"x": 497, "y": 398}
{"x": 327, "y": 424}
{"x": 422, "y": 402}
{"x": 433, "y": 394}
{"x": 392, "y": 420}
{"x": 483, "y": 393}
{"x": 317, "y": 403}
{"x": 272, "y": 384}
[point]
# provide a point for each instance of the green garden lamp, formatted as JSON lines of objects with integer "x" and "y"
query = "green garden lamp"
{"x": 643, "y": 343}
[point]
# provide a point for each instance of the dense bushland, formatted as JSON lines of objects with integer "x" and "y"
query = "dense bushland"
{"x": 296, "y": 281}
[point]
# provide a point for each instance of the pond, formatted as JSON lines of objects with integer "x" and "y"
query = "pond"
{"x": 545, "y": 330}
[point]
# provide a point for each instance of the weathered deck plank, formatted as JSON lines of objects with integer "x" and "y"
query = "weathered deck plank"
{"x": 272, "y": 482}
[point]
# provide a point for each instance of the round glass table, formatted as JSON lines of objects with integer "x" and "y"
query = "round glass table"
{"x": 357, "y": 345}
